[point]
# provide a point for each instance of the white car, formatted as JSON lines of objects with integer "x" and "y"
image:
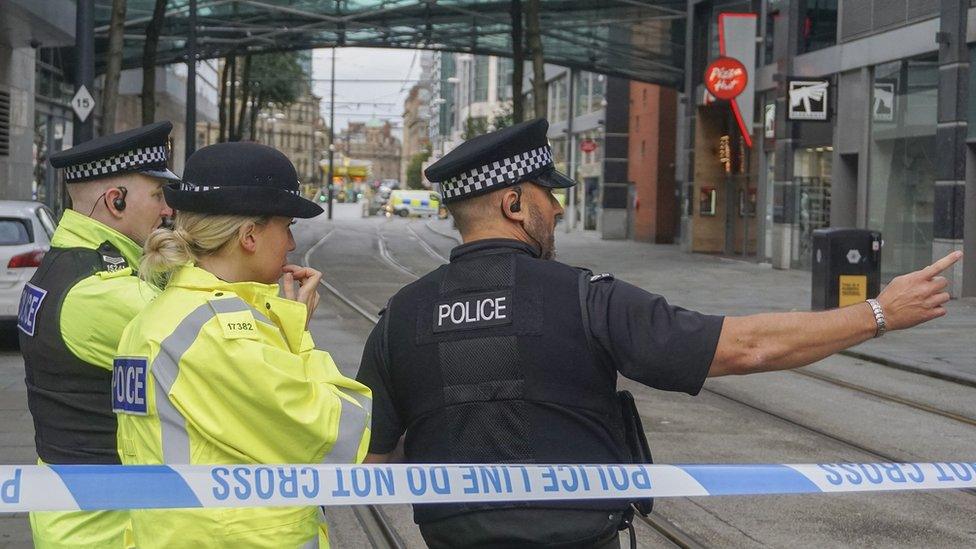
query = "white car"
{"x": 25, "y": 236}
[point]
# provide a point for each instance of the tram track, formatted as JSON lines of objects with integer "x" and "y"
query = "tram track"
{"x": 374, "y": 522}
{"x": 371, "y": 517}
{"x": 855, "y": 354}
{"x": 664, "y": 528}
{"x": 675, "y": 534}
{"x": 853, "y": 387}
{"x": 881, "y": 395}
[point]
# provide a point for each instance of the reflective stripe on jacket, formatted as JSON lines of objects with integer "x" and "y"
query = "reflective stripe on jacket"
{"x": 89, "y": 297}
{"x": 232, "y": 376}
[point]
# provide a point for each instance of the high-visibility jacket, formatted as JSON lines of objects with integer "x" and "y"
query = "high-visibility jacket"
{"x": 214, "y": 372}
{"x": 71, "y": 318}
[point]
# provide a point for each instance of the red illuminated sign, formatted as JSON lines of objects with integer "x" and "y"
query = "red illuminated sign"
{"x": 588, "y": 145}
{"x": 726, "y": 78}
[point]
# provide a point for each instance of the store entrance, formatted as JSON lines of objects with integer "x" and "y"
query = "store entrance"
{"x": 723, "y": 215}
{"x": 812, "y": 167}
{"x": 591, "y": 186}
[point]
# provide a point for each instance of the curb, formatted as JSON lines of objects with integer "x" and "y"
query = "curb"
{"x": 913, "y": 368}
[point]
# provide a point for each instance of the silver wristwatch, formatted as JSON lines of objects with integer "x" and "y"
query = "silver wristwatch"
{"x": 879, "y": 317}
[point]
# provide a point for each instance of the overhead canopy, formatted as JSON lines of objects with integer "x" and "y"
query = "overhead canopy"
{"x": 635, "y": 39}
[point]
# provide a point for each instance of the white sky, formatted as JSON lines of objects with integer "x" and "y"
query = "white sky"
{"x": 367, "y": 64}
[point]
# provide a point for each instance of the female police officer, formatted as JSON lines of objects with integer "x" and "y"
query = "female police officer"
{"x": 219, "y": 369}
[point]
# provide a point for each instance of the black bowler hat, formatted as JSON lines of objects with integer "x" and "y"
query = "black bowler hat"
{"x": 240, "y": 179}
{"x": 496, "y": 160}
{"x": 140, "y": 150}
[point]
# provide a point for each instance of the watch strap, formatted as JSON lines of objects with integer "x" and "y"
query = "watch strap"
{"x": 879, "y": 317}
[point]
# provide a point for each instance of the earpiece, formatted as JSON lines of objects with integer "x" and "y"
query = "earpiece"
{"x": 517, "y": 205}
{"x": 119, "y": 202}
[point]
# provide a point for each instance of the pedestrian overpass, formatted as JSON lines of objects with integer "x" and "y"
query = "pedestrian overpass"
{"x": 634, "y": 39}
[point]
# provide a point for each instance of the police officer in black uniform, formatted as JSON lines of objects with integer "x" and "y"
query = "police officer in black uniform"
{"x": 505, "y": 356}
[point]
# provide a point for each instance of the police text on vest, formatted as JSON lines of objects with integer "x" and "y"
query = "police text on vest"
{"x": 129, "y": 385}
{"x": 30, "y": 303}
{"x": 473, "y": 311}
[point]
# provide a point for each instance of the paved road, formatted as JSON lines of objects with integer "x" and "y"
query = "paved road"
{"x": 776, "y": 417}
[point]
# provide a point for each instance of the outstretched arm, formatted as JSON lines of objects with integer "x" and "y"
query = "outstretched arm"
{"x": 779, "y": 341}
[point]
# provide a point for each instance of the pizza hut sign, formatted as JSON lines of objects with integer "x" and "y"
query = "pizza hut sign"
{"x": 726, "y": 78}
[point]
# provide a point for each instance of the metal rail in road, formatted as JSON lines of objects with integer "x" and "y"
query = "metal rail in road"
{"x": 375, "y": 524}
{"x": 372, "y": 518}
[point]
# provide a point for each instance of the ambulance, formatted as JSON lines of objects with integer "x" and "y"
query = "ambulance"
{"x": 406, "y": 203}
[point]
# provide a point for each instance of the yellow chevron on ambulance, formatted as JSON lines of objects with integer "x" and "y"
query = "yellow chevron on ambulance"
{"x": 406, "y": 203}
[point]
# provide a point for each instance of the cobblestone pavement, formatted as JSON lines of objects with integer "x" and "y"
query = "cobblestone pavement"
{"x": 943, "y": 347}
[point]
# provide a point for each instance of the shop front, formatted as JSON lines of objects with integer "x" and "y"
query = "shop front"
{"x": 721, "y": 202}
{"x": 589, "y": 174}
{"x": 903, "y": 162}
{"x": 720, "y": 210}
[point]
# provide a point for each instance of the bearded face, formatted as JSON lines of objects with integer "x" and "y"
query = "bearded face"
{"x": 542, "y": 229}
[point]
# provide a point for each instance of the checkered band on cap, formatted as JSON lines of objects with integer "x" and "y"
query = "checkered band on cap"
{"x": 146, "y": 157}
{"x": 187, "y": 186}
{"x": 499, "y": 172}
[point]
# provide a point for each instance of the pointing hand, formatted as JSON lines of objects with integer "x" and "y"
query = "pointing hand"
{"x": 917, "y": 297}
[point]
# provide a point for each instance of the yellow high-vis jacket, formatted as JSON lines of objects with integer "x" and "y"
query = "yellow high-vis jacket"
{"x": 214, "y": 372}
{"x": 85, "y": 293}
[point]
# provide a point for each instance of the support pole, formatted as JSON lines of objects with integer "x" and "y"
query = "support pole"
{"x": 85, "y": 68}
{"x": 191, "y": 82}
{"x": 331, "y": 174}
{"x": 533, "y": 32}
{"x": 570, "y": 219}
{"x": 949, "y": 212}
{"x": 518, "y": 63}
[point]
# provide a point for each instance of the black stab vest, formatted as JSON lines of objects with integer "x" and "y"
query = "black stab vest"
{"x": 69, "y": 399}
{"x": 525, "y": 388}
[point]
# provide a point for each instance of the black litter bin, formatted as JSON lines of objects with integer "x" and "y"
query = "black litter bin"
{"x": 846, "y": 267}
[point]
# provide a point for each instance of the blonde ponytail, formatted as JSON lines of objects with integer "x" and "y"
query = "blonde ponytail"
{"x": 195, "y": 235}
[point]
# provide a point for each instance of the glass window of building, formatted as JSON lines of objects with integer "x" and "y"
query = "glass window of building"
{"x": 52, "y": 122}
{"x": 598, "y": 92}
{"x": 445, "y": 118}
{"x": 480, "y": 78}
{"x": 558, "y": 100}
{"x": 903, "y": 158}
{"x": 582, "y": 99}
{"x": 590, "y": 92}
{"x": 818, "y": 25}
{"x": 769, "y": 34}
{"x": 559, "y": 153}
{"x": 504, "y": 79}
{"x": 812, "y": 169}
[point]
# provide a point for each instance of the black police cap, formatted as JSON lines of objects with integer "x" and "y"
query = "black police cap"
{"x": 141, "y": 150}
{"x": 496, "y": 160}
{"x": 240, "y": 179}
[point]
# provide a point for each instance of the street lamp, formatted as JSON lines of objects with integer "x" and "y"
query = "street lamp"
{"x": 331, "y": 132}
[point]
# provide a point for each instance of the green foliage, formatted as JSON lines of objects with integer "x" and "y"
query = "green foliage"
{"x": 504, "y": 117}
{"x": 415, "y": 180}
{"x": 479, "y": 125}
{"x": 277, "y": 78}
{"x": 475, "y": 126}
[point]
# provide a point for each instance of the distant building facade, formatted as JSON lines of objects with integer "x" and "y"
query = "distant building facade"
{"x": 298, "y": 130}
{"x": 372, "y": 141}
{"x": 416, "y": 126}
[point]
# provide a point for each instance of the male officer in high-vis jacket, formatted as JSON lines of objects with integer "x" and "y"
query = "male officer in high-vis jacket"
{"x": 506, "y": 356}
{"x": 74, "y": 309}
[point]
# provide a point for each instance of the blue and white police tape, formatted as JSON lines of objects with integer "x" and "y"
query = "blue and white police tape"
{"x": 93, "y": 487}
